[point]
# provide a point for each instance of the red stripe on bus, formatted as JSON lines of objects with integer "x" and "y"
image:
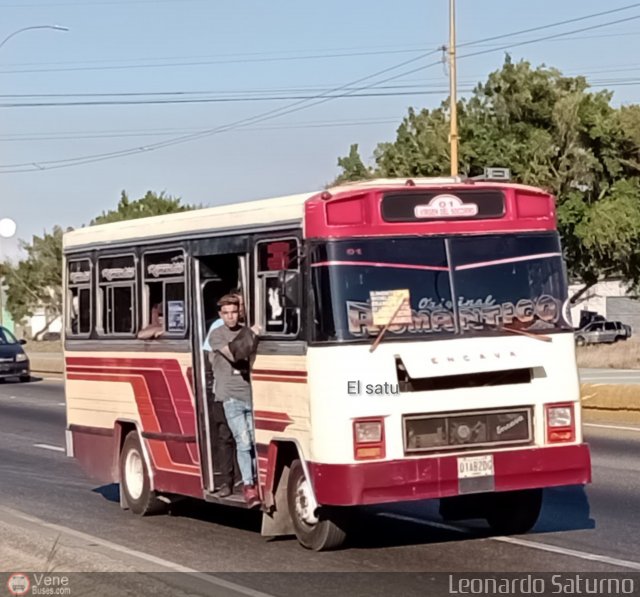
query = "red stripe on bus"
{"x": 280, "y": 379}
{"x": 271, "y": 421}
{"x": 163, "y": 454}
{"x": 279, "y": 372}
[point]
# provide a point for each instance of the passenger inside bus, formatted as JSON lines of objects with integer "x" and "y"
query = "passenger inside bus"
{"x": 232, "y": 344}
{"x": 155, "y": 327}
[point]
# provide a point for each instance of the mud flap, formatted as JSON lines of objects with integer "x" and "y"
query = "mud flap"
{"x": 277, "y": 520}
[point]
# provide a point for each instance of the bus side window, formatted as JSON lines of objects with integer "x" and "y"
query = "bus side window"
{"x": 116, "y": 298}
{"x": 278, "y": 277}
{"x": 164, "y": 305}
{"x": 79, "y": 297}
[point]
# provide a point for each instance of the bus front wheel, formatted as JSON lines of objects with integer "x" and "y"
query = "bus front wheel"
{"x": 134, "y": 478}
{"x": 320, "y": 531}
{"x": 514, "y": 512}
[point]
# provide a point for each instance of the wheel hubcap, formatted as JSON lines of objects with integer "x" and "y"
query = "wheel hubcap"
{"x": 134, "y": 474}
{"x": 303, "y": 503}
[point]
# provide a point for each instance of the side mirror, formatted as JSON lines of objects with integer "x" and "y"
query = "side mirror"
{"x": 22, "y": 341}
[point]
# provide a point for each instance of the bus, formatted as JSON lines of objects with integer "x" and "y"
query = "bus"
{"x": 415, "y": 344}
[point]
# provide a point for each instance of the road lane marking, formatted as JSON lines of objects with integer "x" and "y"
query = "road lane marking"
{"x": 49, "y": 447}
{"x": 617, "y": 427}
{"x": 583, "y": 555}
{"x": 93, "y": 540}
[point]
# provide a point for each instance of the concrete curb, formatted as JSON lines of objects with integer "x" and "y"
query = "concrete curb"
{"x": 46, "y": 363}
{"x": 610, "y": 397}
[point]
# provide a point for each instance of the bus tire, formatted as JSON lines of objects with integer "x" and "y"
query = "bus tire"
{"x": 324, "y": 534}
{"x": 134, "y": 479}
{"x": 514, "y": 512}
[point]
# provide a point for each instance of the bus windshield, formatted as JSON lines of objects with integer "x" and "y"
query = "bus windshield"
{"x": 513, "y": 281}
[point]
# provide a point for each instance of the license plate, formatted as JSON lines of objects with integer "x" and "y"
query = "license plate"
{"x": 475, "y": 466}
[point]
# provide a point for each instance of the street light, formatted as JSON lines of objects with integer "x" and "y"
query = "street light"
{"x": 7, "y": 228}
{"x": 55, "y": 27}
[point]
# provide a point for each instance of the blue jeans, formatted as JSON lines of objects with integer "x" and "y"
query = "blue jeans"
{"x": 240, "y": 420}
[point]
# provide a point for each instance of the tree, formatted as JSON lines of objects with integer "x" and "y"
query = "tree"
{"x": 353, "y": 167}
{"x": 36, "y": 281}
{"x": 552, "y": 132}
{"x": 151, "y": 204}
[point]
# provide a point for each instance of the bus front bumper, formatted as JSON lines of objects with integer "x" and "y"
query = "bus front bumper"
{"x": 437, "y": 476}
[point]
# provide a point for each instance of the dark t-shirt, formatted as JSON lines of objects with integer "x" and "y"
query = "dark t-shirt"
{"x": 231, "y": 379}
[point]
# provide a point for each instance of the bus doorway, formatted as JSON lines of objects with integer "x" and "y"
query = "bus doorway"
{"x": 214, "y": 276}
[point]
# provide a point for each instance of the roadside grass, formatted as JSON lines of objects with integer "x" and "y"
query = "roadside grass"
{"x": 621, "y": 355}
{"x": 53, "y": 346}
{"x": 606, "y": 403}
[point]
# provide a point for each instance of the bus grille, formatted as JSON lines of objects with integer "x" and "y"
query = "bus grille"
{"x": 456, "y": 431}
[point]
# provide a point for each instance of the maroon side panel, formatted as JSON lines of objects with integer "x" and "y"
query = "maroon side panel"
{"x": 94, "y": 451}
{"x": 179, "y": 484}
{"x": 436, "y": 477}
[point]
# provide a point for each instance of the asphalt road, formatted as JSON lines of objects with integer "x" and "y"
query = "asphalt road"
{"x": 596, "y": 530}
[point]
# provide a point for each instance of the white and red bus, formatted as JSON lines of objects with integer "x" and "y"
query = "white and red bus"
{"x": 416, "y": 344}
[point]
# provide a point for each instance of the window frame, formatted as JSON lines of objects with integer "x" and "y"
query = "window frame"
{"x": 68, "y": 296}
{"x": 145, "y": 306}
{"x": 260, "y": 291}
{"x": 101, "y": 296}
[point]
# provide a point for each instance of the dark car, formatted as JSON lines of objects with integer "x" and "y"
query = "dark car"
{"x": 13, "y": 360}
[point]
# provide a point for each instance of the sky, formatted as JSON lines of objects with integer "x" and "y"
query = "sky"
{"x": 256, "y": 64}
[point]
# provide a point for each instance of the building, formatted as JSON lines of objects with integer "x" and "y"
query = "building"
{"x": 609, "y": 298}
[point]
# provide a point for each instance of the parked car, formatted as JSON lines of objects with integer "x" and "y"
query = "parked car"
{"x": 598, "y": 332}
{"x": 13, "y": 360}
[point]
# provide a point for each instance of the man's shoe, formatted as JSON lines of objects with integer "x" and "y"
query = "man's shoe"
{"x": 224, "y": 491}
{"x": 251, "y": 496}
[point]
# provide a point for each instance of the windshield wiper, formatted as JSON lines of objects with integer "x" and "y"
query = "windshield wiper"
{"x": 387, "y": 325}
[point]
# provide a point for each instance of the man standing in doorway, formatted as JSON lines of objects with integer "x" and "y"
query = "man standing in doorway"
{"x": 224, "y": 449}
{"x": 230, "y": 362}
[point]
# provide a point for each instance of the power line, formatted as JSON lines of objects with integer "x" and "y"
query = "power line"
{"x": 469, "y": 80}
{"x": 296, "y": 106}
{"x": 207, "y": 62}
{"x": 246, "y": 58}
{"x": 556, "y": 24}
{"x": 215, "y": 100}
{"x": 97, "y": 3}
{"x": 356, "y": 92}
{"x": 164, "y": 132}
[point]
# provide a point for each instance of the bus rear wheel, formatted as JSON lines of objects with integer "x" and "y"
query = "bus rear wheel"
{"x": 320, "y": 531}
{"x": 514, "y": 512}
{"x": 134, "y": 479}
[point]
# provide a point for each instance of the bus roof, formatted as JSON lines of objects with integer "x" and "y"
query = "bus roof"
{"x": 265, "y": 213}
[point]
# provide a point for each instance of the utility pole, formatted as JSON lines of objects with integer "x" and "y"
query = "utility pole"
{"x": 453, "y": 98}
